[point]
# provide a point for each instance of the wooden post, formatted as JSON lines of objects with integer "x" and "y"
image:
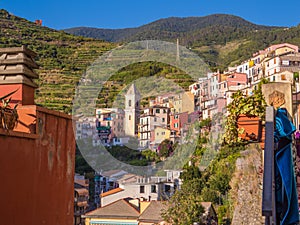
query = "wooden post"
{"x": 268, "y": 198}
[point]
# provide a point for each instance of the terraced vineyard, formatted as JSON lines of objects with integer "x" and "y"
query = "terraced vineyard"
{"x": 62, "y": 57}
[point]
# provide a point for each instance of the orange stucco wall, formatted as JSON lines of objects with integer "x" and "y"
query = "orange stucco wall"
{"x": 23, "y": 96}
{"x": 37, "y": 170}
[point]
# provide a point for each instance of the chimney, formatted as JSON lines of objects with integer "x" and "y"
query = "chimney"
{"x": 16, "y": 73}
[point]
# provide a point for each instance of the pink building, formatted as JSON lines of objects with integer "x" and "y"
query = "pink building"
{"x": 178, "y": 120}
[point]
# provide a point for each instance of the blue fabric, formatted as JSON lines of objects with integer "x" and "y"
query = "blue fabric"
{"x": 286, "y": 191}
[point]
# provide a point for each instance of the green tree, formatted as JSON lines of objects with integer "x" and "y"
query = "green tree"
{"x": 184, "y": 207}
{"x": 189, "y": 173}
{"x": 165, "y": 148}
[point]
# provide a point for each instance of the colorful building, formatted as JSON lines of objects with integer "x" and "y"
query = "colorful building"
{"x": 151, "y": 118}
{"x": 81, "y": 198}
{"x": 110, "y": 125}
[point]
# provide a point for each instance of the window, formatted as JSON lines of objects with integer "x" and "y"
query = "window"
{"x": 142, "y": 189}
{"x": 167, "y": 188}
{"x": 285, "y": 62}
{"x": 129, "y": 103}
{"x": 273, "y": 78}
{"x": 283, "y": 77}
{"x": 176, "y": 125}
{"x": 153, "y": 188}
{"x": 155, "y": 119}
{"x": 129, "y": 117}
{"x": 163, "y": 120}
{"x": 157, "y": 111}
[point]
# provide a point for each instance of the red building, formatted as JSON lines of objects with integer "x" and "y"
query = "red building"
{"x": 37, "y": 156}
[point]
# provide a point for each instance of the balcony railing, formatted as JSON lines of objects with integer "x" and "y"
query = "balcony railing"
{"x": 103, "y": 128}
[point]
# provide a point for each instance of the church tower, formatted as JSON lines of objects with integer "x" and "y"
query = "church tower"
{"x": 132, "y": 109}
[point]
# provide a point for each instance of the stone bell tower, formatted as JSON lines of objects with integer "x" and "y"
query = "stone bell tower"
{"x": 132, "y": 108}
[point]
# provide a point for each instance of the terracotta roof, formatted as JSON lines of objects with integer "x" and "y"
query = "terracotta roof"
{"x": 111, "y": 192}
{"x": 118, "y": 209}
{"x": 81, "y": 191}
{"x": 82, "y": 204}
{"x": 153, "y": 212}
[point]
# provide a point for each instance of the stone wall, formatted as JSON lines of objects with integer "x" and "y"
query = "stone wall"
{"x": 246, "y": 184}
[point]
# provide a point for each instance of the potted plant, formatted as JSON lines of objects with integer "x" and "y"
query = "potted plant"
{"x": 246, "y": 114}
{"x": 8, "y": 115}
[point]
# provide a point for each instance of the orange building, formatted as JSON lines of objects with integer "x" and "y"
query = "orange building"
{"x": 37, "y": 156}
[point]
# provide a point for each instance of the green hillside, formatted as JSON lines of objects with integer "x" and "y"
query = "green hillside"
{"x": 62, "y": 57}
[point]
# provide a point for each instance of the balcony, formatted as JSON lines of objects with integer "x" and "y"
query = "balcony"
{"x": 103, "y": 128}
{"x": 236, "y": 88}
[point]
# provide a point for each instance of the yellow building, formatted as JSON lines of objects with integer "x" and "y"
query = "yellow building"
{"x": 161, "y": 134}
{"x": 183, "y": 102}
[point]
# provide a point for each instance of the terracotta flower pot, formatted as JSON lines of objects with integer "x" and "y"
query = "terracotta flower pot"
{"x": 251, "y": 126}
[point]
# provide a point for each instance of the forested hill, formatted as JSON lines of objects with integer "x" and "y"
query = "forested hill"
{"x": 189, "y": 30}
{"x": 221, "y": 40}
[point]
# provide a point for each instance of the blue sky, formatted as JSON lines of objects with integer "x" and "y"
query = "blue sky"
{"x": 60, "y": 14}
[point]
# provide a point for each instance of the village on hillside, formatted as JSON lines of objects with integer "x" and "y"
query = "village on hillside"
{"x": 168, "y": 117}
